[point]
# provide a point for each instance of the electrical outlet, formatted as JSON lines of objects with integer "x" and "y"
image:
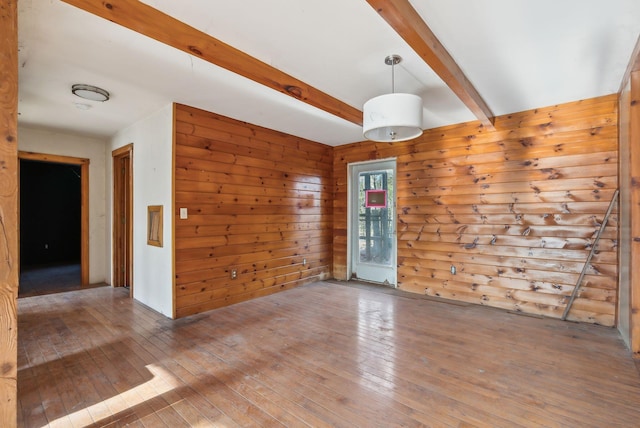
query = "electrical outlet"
{"x": 453, "y": 270}
{"x": 304, "y": 262}
{"x": 234, "y": 274}
{"x": 184, "y": 213}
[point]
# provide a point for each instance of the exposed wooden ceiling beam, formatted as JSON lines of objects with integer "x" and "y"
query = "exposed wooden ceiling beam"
{"x": 406, "y": 21}
{"x": 159, "y": 26}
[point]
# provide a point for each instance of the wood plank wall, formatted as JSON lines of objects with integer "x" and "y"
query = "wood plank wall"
{"x": 259, "y": 202}
{"x": 515, "y": 210}
{"x": 9, "y": 265}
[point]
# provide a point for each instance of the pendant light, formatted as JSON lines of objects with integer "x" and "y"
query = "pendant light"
{"x": 392, "y": 117}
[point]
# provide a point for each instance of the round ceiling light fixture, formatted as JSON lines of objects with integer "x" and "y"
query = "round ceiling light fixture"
{"x": 392, "y": 117}
{"x": 90, "y": 92}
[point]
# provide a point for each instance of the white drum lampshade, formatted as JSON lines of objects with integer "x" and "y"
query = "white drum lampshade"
{"x": 392, "y": 117}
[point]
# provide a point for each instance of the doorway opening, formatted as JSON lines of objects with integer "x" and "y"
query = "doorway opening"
{"x": 54, "y": 219}
{"x": 372, "y": 225}
{"x": 123, "y": 218}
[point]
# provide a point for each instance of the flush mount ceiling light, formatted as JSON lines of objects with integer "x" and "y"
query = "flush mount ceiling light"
{"x": 89, "y": 92}
{"x": 392, "y": 117}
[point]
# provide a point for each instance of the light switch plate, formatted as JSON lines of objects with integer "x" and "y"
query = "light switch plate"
{"x": 183, "y": 213}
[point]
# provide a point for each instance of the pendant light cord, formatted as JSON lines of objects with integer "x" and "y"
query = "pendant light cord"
{"x": 392, "y": 60}
{"x": 393, "y": 77}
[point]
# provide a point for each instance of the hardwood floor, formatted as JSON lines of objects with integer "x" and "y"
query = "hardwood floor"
{"x": 325, "y": 354}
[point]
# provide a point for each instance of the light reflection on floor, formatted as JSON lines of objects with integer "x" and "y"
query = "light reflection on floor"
{"x": 377, "y": 318}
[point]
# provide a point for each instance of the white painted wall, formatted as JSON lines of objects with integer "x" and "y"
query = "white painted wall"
{"x": 58, "y": 143}
{"x": 152, "y": 140}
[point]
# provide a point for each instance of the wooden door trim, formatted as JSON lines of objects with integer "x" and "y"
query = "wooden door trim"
{"x": 125, "y": 151}
{"x": 84, "y": 202}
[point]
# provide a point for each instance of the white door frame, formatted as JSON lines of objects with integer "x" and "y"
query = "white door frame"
{"x": 350, "y": 240}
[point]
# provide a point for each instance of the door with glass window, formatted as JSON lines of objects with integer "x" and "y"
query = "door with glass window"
{"x": 373, "y": 222}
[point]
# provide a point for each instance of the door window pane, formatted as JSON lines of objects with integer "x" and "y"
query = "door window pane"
{"x": 375, "y": 224}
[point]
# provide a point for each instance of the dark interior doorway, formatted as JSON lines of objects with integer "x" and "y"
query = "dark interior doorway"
{"x": 50, "y": 227}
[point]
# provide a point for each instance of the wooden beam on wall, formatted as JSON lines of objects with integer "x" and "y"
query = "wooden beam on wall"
{"x": 634, "y": 170}
{"x": 8, "y": 212}
{"x": 406, "y": 21}
{"x": 634, "y": 65}
{"x": 629, "y": 179}
{"x": 159, "y": 26}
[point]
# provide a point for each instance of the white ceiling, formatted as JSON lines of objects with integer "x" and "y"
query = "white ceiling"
{"x": 519, "y": 55}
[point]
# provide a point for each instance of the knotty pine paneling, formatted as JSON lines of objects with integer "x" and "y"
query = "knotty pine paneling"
{"x": 515, "y": 210}
{"x": 259, "y": 202}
